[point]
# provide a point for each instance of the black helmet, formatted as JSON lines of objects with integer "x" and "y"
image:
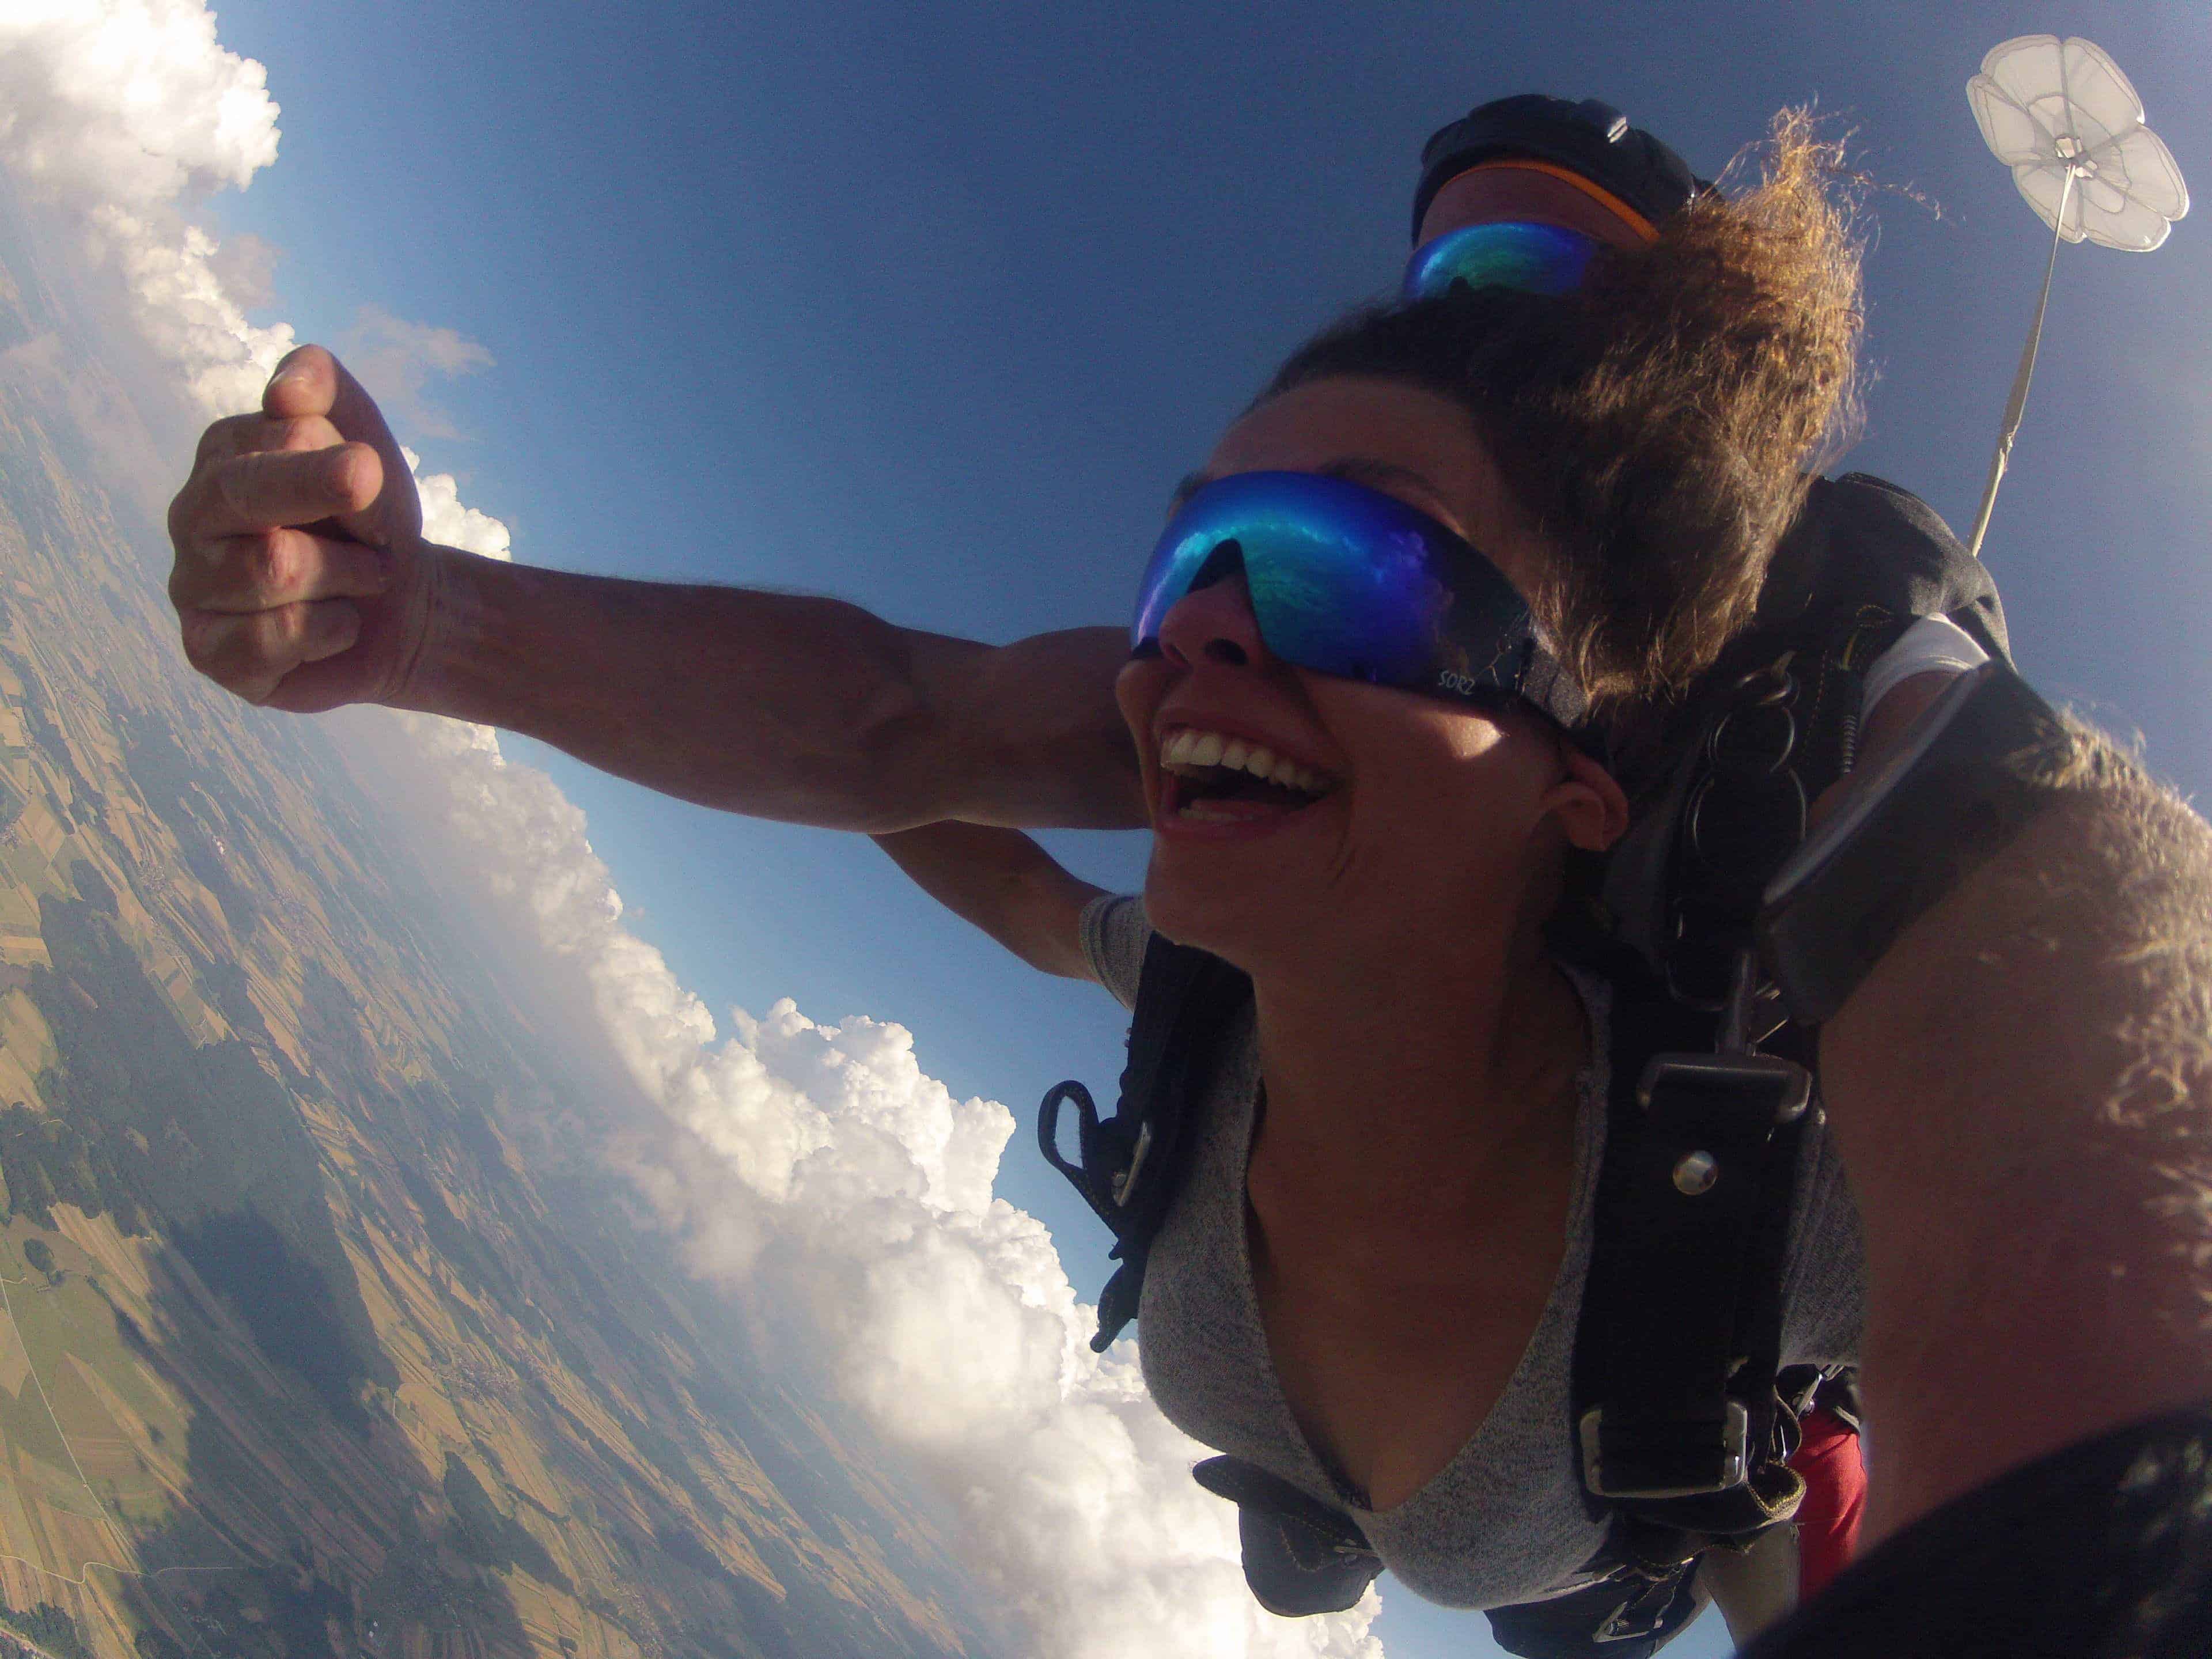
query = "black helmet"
{"x": 1591, "y": 138}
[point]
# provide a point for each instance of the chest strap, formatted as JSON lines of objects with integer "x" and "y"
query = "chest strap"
{"x": 1678, "y": 1424}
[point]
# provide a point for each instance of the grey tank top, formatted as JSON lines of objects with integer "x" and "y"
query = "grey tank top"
{"x": 1505, "y": 1520}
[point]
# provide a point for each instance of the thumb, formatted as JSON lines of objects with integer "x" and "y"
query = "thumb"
{"x": 311, "y": 382}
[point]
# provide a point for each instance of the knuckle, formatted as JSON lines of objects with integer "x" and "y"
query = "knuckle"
{"x": 253, "y": 572}
{"x": 235, "y": 481}
{"x": 334, "y": 627}
{"x": 247, "y": 569}
{"x": 197, "y": 577}
{"x": 180, "y": 507}
{"x": 243, "y": 654}
{"x": 193, "y": 577}
{"x": 202, "y": 635}
{"x": 278, "y": 633}
{"x": 192, "y": 508}
{"x": 220, "y": 439}
{"x": 274, "y": 566}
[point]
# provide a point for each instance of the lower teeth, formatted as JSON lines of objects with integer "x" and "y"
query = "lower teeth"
{"x": 1207, "y": 812}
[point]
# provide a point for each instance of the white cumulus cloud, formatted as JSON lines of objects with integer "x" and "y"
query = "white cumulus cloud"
{"x": 129, "y": 101}
{"x": 817, "y": 1164}
{"x": 451, "y": 523}
{"x": 116, "y": 111}
{"x": 394, "y": 359}
{"x": 120, "y": 113}
{"x": 822, "y": 1163}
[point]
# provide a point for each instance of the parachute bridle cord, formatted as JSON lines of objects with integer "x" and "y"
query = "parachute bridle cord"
{"x": 2017, "y": 405}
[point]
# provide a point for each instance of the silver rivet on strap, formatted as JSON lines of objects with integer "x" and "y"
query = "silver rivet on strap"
{"x": 1696, "y": 1174}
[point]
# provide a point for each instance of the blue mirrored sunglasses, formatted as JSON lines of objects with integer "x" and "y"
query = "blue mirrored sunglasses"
{"x": 1348, "y": 581}
{"x": 1537, "y": 258}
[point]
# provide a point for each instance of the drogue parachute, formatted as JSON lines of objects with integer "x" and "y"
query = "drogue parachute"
{"x": 2068, "y": 123}
{"x": 2061, "y": 115}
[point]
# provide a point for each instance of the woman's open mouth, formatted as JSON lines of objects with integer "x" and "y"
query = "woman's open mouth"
{"x": 1210, "y": 777}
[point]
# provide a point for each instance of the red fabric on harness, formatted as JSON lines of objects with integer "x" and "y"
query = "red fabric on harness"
{"x": 1827, "y": 1460}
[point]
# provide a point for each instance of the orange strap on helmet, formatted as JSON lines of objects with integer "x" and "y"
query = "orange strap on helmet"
{"x": 1604, "y": 198}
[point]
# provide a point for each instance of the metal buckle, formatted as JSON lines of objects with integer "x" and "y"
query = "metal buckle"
{"x": 1735, "y": 1068}
{"x": 1789, "y": 1084}
{"x": 1125, "y": 1184}
{"x": 1735, "y": 1436}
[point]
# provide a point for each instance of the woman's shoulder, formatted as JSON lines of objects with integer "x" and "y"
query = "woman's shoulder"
{"x": 1115, "y": 933}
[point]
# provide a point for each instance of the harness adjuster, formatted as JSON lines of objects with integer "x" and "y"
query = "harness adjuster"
{"x": 1649, "y": 1471}
{"x": 1767, "y": 1088}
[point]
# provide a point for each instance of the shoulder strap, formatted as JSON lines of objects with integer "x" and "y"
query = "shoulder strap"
{"x": 1129, "y": 1166}
{"x": 1681, "y": 1433}
{"x": 1772, "y": 725}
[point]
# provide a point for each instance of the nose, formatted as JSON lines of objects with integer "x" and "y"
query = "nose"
{"x": 1213, "y": 622}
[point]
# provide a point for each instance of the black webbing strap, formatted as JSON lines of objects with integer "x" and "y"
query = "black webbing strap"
{"x": 1679, "y": 1338}
{"x": 1677, "y": 1418}
{"x": 1129, "y": 1167}
{"x": 1682, "y": 1319}
{"x": 1628, "y": 1615}
{"x": 1776, "y": 724}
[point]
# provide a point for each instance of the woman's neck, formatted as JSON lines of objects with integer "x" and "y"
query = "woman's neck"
{"x": 1417, "y": 1081}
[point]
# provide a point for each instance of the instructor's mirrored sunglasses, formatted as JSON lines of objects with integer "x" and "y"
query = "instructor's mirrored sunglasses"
{"x": 1347, "y": 582}
{"x": 1537, "y": 258}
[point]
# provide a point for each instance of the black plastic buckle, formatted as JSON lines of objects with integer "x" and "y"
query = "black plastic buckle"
{"x": 1105, "y": 1188}
{"x": 1647, "y": 1472}
{"x": 1644, "y": 1613}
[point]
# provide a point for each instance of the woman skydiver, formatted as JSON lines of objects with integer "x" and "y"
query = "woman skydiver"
{"x": 1369, "y": 1283}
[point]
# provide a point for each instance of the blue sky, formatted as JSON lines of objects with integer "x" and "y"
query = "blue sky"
{"x": 929, "y": 308}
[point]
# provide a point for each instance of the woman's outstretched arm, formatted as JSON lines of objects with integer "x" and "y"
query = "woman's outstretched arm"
{"x": 1006, "y": 884}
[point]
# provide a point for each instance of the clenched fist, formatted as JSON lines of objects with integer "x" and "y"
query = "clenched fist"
{"x": 302, "y": 580}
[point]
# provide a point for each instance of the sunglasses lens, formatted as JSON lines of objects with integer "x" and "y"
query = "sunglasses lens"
{"x": 1342, "y": 579}
{"x": 1533, "y": 257}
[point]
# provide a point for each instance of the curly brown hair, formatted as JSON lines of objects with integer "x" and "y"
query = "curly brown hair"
{"x": 1657, "y": 424}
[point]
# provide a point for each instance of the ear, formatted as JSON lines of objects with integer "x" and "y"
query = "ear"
{"x": 1590, "y": 805}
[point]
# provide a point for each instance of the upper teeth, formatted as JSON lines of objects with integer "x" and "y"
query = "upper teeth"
{"x": 1191, "y": 748}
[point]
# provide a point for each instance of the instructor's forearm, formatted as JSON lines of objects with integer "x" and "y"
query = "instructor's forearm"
{"x": 2020, "y": 1091}
{"x": 778, "y": 705}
